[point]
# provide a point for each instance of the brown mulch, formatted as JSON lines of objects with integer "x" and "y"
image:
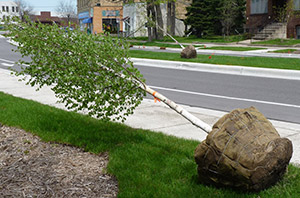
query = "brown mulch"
{"x": 32, "y": 168}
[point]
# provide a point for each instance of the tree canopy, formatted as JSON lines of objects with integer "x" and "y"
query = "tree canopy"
{"x": 87, "y": 72}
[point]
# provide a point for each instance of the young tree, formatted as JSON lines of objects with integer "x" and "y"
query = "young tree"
{"x": 86, "y": 72}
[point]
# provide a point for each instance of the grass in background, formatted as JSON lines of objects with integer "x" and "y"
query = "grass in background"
{"x": 167, "y": 45}
{"x": 194, "y": 39}
{"x": 288, "y": 42}
{"x": 264, "y": 62}
{"x": 146, "y": 164}
{"x": 156, "y": 44}
{"x": 233, "y": 48}
{"x": 284, "y": 51}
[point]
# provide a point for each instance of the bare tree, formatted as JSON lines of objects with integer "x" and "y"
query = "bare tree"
{"x": 67, "y": 9}
{"x": 25, "y": 9}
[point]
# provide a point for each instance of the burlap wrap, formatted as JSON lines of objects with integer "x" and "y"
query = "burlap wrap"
{"x": 243, "y": 151}
{"x": 189, "y": 52}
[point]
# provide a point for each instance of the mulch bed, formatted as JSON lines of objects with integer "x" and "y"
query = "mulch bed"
{"x": 32, "y": 168}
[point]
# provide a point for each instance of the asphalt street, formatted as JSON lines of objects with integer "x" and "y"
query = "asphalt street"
{"x": 278, "y": 99}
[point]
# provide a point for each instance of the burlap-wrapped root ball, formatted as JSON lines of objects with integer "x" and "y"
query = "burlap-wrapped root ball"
{"x": 189, "y": 52}
{"x": 243, "y": 151}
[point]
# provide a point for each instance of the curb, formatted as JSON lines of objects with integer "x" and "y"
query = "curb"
{"x": 222, "y": 69}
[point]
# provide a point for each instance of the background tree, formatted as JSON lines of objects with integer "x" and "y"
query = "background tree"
{"x": 206, "y": 17}
{"x": 171, "y": 17}
{"x": 203, "y": 17}
{"x": 67, "y": 9}
{"x": 25, "y": 9}
{"x": 154, "y": 19}
{"x": 286, "y": 12}
{"x": 240, "y": 18}
{"x": 231, "y": 15}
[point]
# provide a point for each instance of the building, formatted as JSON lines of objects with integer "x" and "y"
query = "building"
{"x": 262, "y": 19}
{"x": 8, "y": 9}
{"x": 98, "y": 16}
{"x": 46, "y": 18}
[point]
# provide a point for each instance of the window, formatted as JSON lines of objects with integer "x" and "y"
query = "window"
{"x": 3, "y": 8}
{"x": 296, "y": 4}
{"x": 13, "y": 9}
{"x": 259, "y": 6}
{"x": 7, "y": 9}
{"x": 110, "y": 25}
{"x": 17, "y": 9}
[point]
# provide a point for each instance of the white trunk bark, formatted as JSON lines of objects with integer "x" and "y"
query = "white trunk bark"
{"x": 194, "y": 120}
{"x": 191, "y": 118}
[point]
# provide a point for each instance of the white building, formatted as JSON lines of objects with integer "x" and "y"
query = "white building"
{"x": 8, "y": 9}
{"x": 135, "y": 18}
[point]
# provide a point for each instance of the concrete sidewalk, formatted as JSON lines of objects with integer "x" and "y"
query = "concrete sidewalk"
{"x": 149, "y": 115}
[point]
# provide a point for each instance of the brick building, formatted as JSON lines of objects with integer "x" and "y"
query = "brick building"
{"x": 98, "y": 15}
{"x": 262, "y": 19}
{"x": 46, "y": 18}
{"x": 115, "y": 16}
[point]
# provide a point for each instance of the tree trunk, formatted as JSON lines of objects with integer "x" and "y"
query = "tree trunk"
{"x": 171, "y": 18}
{"x": 152, "y": 20}
{"x": 149, "y": 16}
{"x": 191, "y": 118}
{"x": 160, "y": 23}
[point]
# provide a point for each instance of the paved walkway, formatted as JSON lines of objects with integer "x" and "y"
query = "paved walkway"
{"x": 149, "y": 115}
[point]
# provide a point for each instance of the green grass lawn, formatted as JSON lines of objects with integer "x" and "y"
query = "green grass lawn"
{"x": 145, "y": 163}
{"x": 156, "y": 44}
{"x": 288, "y": 42}
{"x": 284, "y": 51}
{"x": 167, "y": 45}
{"x": 264, "y": 62}
{"x": 193, "y": 39}
{"x": 233, "y": 48}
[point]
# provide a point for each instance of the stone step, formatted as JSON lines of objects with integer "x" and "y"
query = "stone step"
{"x": 270, "y": 31}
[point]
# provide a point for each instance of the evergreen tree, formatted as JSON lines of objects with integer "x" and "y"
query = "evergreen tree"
{"x": 240, "y": 19}
{"x": 215, "y": 16}
{"x": 203, "y": 17}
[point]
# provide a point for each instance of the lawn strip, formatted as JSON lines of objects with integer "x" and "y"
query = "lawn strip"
{"x": 194, "y": 39}
{"x": 233, "y": 48}
{"x": 282, "y": 42}
{"x": 146, "y": 164}
{"x": 262, "y": 62}
{"x": 155, "y": 44}
{"x": 284, "y": 51}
